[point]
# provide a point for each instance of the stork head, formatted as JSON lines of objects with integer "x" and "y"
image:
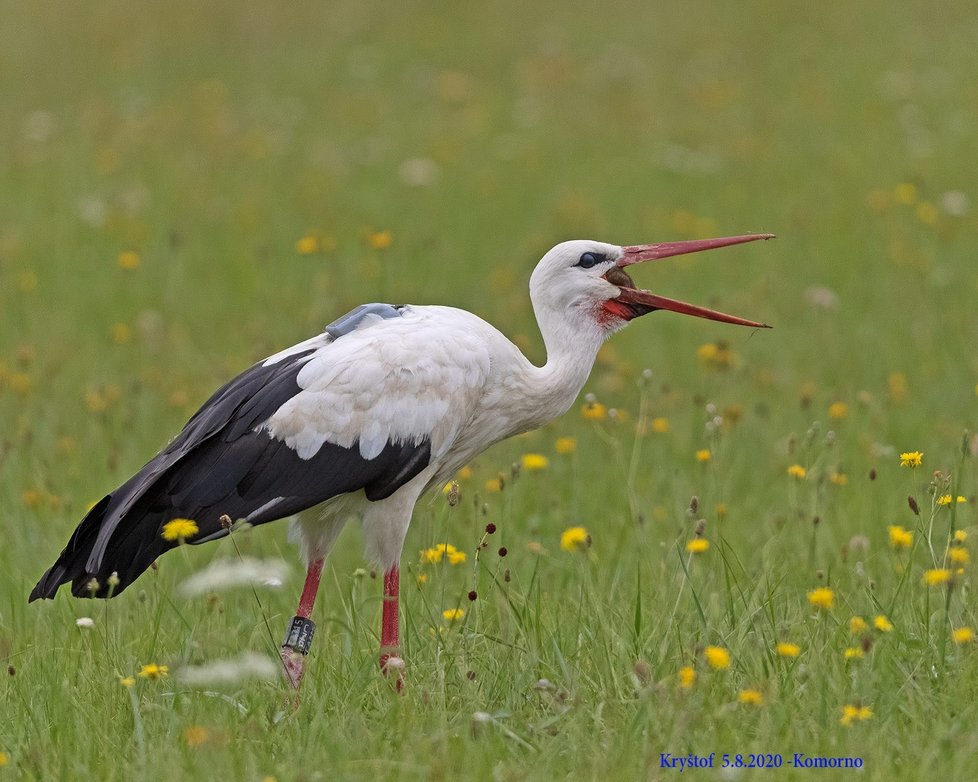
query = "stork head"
{"x": 588, "y": 278}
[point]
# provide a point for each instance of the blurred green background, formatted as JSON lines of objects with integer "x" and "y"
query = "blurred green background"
{"x": 188, "y": 187}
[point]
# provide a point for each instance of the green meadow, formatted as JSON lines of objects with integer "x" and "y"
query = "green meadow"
{"x": 758, "y": 544}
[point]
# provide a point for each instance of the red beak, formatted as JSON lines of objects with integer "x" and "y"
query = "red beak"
{"x": 637, "y": 302}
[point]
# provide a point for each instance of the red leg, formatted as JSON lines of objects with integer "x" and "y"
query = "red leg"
{"x": 299, "y": 636}
{"x": 390, "y": 644}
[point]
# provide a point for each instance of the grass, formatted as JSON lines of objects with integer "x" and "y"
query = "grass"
{"x": 211, "y": 140}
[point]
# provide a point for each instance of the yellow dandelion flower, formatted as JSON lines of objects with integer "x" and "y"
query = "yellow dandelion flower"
{"x": 307, "y": 245}
{"x": 707, "y": 353}
{"x": 697, "y": 545}
{"x": 128, "y": 260}
{"x": 703, "y": 455}
{"x": 687, "y": 677}
{"x": 153, "y": 671}
{"x": 32, "y": 498}
{"x": 750, "y": 697}
{"x": 717, "y": 657}
{"x": 937, "y": 576}
{"x": 422, "y": 578}
{"x": 575, "y": 539}
{"x": 797, "y": 471}
{"x": 534, "y": 461}
{"x": 494, "y": 485}
{"x": 853, "y": 653}
{"x": 127, "y": 681}
{"x": 958, "y": 555}
{"x": 822, "y": 598}
{"x": 963, "y": 635}
{"x": 380, "y": 240}
{"x": 121, "y": 334}
{"x": 927, "y": 213}
{"x": 565, "y": 445}
{"x": 179, "y": 529}
{"x": 456, "y": 557}
{"x": 911, "y": 458}
{"x": 787, "y": 649}
{"x": 945, "y": 499}
{"x": 882, "y": 624}
{"x": 594, "y": 411}
{"x": 857, "y": 625}
{"x": 660, "y": 425}
{"x": 453, "y": 614}
{"x": 195, "y": 735}
{"x": 838, "y": 411}
{"x": 464, "y": 473}
{"x": 839, "y": 478}
{"x": 905, "y": 193}
{"x": 900, "y": 537}
{"x": 852, "y": 713}
{"x": 960, "y": 536}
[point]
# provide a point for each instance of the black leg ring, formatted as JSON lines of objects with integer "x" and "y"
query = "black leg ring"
{"x": 299, "y": 635}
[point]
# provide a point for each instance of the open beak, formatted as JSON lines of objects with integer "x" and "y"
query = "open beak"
{"x": 631, "y": 302}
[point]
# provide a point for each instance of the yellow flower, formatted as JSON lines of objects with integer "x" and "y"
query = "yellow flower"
{"x": 958, "y": 556}
{"x": 717, "y": 657}
{"x": 127, "y": 681}
{"x": 707, "y": 352}
{"x": 534, "y": 461}
{"x": 787, "y": 649}
{"x": 822, "y": 598}
{"x": 195, "y": 735}
{"x": 838, "y": 411}
{"x": 703, "y": 455}
{"x": 660, "y": 425}
{"x": 857, "y": 625}
{"x": 852, "y": 713}
{"x": 839, "y": 478}
{"x": 927, "y": 213}
{"x": 962, "y": 635}
{"x": 565, "y": 445}
{"x": 453, "y": 614}
{"x": 575, "y": 539}
{"x": 307, "y": 245}
{"x": 380, "y": 240}
{"x": 179, "y": 529}
{"x": 853, "y": 653}
{"x": 750, "y": 697}
{"x": 4, "y": 759}
{"x": 882, "y": 624}
{"x": 422, "y": 578}
{"x": 900, "y": 537}
{"x": 905, "y": 193}
{"x": 945, "y": 499}
{"x": 464, "y": 473}
{"x": 687, "y": 676}
{"x": 153, "y": 671}
{"x": 594, "y": 411}
{"x": 911, "y": 459}
{"x": 128, "y": 260}
{"x": 494, "y": 485}
{"x": 697, "y": 545}
{"x": 960, "y": 536}
{"x": 446, "y": 551}
{"x": 797, "y": 471}
{"x": 937, "y": 576}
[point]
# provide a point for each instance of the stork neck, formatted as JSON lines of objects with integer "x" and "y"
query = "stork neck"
{"x": 572, "y": 345}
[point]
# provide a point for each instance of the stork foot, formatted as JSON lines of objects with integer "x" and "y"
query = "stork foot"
{"x": 295, "y": 665}
{"x": 392, "y": 665}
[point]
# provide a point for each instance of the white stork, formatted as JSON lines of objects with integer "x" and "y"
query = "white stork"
{"x": 358, "y": 421}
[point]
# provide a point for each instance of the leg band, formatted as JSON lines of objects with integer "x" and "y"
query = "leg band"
{"x": 299, "y": 635}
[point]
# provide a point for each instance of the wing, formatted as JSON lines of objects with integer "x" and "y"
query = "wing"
{"x": 263, "y": 447}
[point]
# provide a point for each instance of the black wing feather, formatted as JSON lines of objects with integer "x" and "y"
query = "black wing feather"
{"x": 220, "y": 465}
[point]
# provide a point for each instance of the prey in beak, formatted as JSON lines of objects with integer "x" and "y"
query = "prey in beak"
{"x": 632, "y": 302}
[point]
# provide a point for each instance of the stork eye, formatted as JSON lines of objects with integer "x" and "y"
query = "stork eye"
{"x": 587, "y": 260}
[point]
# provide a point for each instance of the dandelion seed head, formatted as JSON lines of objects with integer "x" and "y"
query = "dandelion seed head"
{"x": 223, "y": 574}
